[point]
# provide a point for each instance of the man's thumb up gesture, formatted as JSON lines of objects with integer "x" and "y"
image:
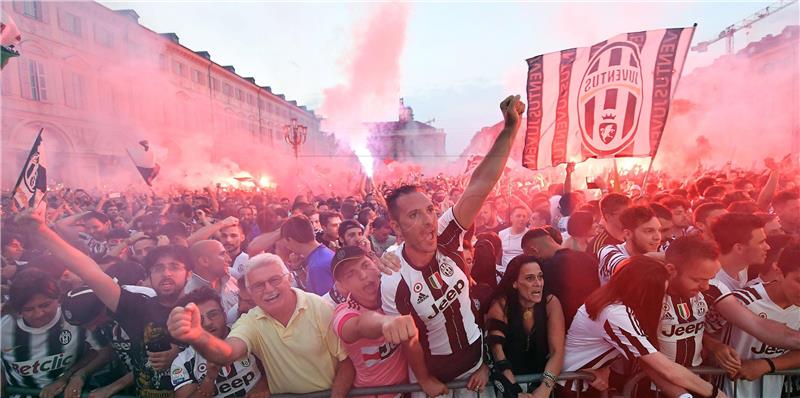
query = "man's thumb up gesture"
{"x": 184, "y": 324}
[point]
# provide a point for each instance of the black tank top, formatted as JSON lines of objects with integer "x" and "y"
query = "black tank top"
{"x": 527, "y": 353}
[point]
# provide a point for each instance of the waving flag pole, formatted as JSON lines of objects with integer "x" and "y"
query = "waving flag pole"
{"x": 32, "y": 179}
{"x": 144, "y": 160}
{"x": 655, "y": 151}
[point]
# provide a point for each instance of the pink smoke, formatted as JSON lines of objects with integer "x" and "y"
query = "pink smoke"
{"x": 372, "y": 87}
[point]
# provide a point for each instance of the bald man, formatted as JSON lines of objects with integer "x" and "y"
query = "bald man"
{"x": 211, "y": 269}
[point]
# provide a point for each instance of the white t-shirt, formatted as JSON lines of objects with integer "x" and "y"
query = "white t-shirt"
{"x": 512, "y": 245}
{"x": 756, "y": 299}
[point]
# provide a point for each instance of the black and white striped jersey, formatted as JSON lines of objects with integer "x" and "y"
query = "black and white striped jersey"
{"x": 609, "y": 258}
{"x": 591, "y": 344}
{"x": 437, "y": 297}
{"x": 234, "y": 380}
{"x": 756, "y": 299}
{"x": 35, "y": 357}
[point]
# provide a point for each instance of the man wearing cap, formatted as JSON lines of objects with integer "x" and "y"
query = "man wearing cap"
{"x": 211, "y": 262}
{"x": 351, "y": 233}
{"x": 190, "y": 370}
{"x": 377, "y": 344}
{"x": 289, "y": 331}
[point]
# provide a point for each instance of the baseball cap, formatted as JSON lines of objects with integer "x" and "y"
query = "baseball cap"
{"x": 81, "y": 305}
{"x": 349, "y": 224}
{"x": 346, "y": 253}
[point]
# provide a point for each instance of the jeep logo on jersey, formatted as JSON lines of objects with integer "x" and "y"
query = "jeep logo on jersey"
{"x": 767, "y": 350}
{"x": 449, "y": 296}
{"x": 680, "y": 330}
{"x": 65, "y": 337}
{"x": 610, "y": 98}
{"x": 234, "y": 384}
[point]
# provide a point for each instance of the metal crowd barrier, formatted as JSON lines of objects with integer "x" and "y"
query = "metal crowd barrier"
{"x": 628, "y": 390}
{"x": 356, "y": 392}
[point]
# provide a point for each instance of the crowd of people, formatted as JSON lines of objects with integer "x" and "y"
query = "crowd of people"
{"x": 224, "y": 293}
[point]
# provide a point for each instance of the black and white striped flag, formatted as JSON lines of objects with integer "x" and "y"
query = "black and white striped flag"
{"x": 608, "y": 100}
{"x": 144, "y": 160}
{"x": 32, "y": 182}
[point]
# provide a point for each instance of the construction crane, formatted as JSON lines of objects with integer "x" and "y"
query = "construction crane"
{"x": 728, "y": 32}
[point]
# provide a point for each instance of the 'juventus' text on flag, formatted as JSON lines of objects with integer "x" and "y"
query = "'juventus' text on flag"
{"x": 608, "y": 100}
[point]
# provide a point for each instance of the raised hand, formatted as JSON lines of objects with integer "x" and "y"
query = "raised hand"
{"x": 400, "y": 329}
{"x": 512, "y": 109}
{"x": 184, "y": 324}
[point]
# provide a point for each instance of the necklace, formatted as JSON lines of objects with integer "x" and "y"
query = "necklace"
{"x": 527, "y": 314}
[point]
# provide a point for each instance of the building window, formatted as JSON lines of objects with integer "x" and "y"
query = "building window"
{"x": 69, "y": 23}
{"x": 178, "y": 68}
{"x": 32, "y": 80}
{"x": 162, "y": 62}
{"x": 215, "y": 84}
{"x": 250, "y": 99}
{"x": 74, "y": 90}
{"x": 227, "y": 89}
{"x": 103, "y": 37}
{"x": 197, "y": 77}
{"x": 239, "y": 94}
{"x": 30, "y": 9}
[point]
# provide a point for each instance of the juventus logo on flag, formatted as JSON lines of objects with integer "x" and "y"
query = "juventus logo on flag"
{"x": 32, "y": 182}
{"x": 608, "y": 100}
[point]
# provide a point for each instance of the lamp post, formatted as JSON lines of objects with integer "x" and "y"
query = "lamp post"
{"x": 295, "y": 135}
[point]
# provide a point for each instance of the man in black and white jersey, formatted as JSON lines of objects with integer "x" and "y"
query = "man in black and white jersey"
{"x": 190, "y": 370}
{"x": 432, "y": 285}
{"x": 641, "y": 230}
{"x": 693, "y": 293}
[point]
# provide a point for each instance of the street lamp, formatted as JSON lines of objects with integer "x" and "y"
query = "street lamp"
{"x": 295, "y": 135}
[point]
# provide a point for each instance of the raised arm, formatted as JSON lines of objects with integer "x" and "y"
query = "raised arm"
{"x": 771, "y": 332}
{"x": 488, "y": 172}
{"x": 206, "y": 232}
{"x": 263, "y": 242}
{"x": 66, "y": 227}
{"x": 76, "y": 261}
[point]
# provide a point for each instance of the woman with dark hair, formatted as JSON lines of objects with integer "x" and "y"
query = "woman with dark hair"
{"x": 40, "y": 349}
{"x": 621, "y": 318}
{"x": 525, "y": 328}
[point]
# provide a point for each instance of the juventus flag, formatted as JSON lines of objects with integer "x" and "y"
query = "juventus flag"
{"x": 145, "y": 161}
{"x": 32, "y": 182}
{"x": 608, "y": 100}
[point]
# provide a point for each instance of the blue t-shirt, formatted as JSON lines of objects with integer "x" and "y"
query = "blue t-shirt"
{"x": 320, "y": 277}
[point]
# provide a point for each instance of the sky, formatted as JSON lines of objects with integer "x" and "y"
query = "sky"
{"x": 457, "y": 60}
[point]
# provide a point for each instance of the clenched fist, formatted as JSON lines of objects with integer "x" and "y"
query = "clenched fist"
{"x": 399, "y": 329}
{"x": 512, "y": 109}
{"x": 184, "y": 324}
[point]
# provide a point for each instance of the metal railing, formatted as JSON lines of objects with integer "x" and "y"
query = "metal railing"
{"x": 628, "y": 390}
{"x": 366, "y": 391}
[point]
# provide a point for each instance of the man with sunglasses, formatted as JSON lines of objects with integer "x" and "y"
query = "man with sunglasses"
{"x": 192, "y": 374}
{"x": 288, "y": 330}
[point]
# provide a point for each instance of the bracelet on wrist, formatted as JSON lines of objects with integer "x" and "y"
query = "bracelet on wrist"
{"x": 771, "y": 365}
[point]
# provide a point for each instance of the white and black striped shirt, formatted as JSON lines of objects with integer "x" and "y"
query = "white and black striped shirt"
{"x": 35, "y": 357}
{"x": 591, "y": 344}
{"x": 609, "y": 258}
{"x": 234, "y": 380}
